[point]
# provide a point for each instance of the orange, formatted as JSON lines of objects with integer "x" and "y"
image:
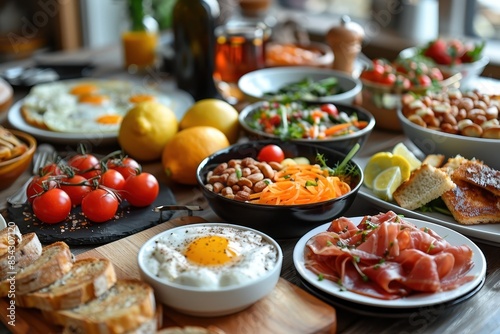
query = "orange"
{"x": 187, "y": 149}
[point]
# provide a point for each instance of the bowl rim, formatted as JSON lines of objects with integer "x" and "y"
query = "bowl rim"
{"x": 328, "y": 72}
{"x": 205, "y": 161}
{"x": 145, "y": 248}
{"x": 247, "y": 111}
{"x": 407, "y": 122}
{"x": 27, "y": 139}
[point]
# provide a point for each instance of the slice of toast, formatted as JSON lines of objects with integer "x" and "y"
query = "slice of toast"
{"x": 434, "y": 160}
{"x": 54, "y": 262}
{"x": 124, "y": 307}
{"x": 9, "y": 236}
{"x": 424, "y": 185}
{"x": 87, "y": 279}
{"x": 25, "y": 253}
{"x": 479, "y": 175}
{"x": 472, "y": 205}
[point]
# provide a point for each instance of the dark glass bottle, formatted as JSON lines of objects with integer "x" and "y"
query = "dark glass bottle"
{"x": 193, "y": 24}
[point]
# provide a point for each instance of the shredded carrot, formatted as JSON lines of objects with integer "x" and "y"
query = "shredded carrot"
{"x": 301, "y": 184}
{"x": 337, "y": 128}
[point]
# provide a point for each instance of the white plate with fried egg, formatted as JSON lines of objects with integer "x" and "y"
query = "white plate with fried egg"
{"x": 91, "y": 110}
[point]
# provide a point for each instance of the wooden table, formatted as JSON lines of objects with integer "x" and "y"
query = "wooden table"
{"x": 479, "y": 314}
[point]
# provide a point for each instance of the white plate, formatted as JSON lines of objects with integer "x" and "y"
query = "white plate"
{"x": 413, "y": 301}
{"x": 179, "y": 101}
{"x": 489, "y": 233}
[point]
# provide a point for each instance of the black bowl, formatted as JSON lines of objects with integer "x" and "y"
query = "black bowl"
{"x": 278, "y": 221}
{"x": 342, "y": 144}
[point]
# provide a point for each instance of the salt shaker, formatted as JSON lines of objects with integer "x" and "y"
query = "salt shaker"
{"x": 345, "y": 41}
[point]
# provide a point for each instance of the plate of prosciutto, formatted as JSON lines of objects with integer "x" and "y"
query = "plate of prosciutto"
{"x": 389, "y": 261}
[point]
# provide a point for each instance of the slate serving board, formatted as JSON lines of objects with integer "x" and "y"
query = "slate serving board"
{"x": 77, "y": 230}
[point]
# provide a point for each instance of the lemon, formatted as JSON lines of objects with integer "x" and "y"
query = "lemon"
{"x": 187, "y": 149}
{"x": 145, "y": 130}
{"x": 381, "y": 161}
{"x": 387, "y": 182}
{"x": 402, "y": 150}
{"x": 216, "y": 113}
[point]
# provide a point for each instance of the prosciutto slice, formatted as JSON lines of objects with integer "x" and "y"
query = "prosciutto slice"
{"x": 387, "y": 257}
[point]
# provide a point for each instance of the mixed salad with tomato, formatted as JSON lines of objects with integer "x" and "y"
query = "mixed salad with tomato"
{"x": 95, "y": 185}
{"x": 452, "y": 52}
{"x": 403, "y": 74}
{"x": 296, "y": 120}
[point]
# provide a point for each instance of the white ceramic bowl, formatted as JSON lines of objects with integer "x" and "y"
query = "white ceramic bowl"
{"x": 209, "y": 302}
{"x": 437, "y": 142}
{"x": 469, "y": 71}
{"x": 254, "y": 84}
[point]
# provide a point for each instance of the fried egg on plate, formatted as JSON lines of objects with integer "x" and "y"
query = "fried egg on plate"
{"x": 85, "y": 106}
{"x": 211, "y": 257}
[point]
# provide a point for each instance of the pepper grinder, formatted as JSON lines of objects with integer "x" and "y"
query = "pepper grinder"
{"x": 345, "y": 41}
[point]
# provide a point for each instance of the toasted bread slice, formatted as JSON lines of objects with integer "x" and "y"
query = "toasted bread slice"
{"x": 9, "y": 236}
{"x": 54, "y": 262}
{"x": 124, "y": 307}
{"x": 424, "y": 185}
{"x": 471, "y": 205}
{"x": 479, "y": 175}
{"x": 87, "y": 279}
{"x": 25, "y": 253}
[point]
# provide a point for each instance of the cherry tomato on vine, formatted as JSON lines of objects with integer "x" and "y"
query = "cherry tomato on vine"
{"x": 76, "y": 188}
{"x": 126, "y": 166}
{"x": 271, "y": 153}
{"x": 52, "y": 169}
{"x": 52, "y": 206}
{"x": 141, "y": 189}
{"x": 86, "y": 165}
{"x": 38, "y": 185}
{"x": 112, "y": 179}
{"x": 100, "y": 205}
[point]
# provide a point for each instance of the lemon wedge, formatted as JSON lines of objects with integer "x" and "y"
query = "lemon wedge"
{"x": 387, "y": 182}
{"x": 381, "y": 161}
{"x": 402, "y": 150}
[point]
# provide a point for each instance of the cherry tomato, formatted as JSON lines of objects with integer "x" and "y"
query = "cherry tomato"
{"x": 113, "y": 179}
{"x": 330, "y": 109}
{"x": 387, "y": 79}
{"x": 38, "y": 185}
{"x": 271, "y": 153}
{"x": 99, "y": 205}
{"x": 424, "y": 80}
{"x": 52, "y": 206}
{"x": 86, "y": 165}
{"x": 52, "y": 169}
{"x": 126, "y": 166}
{"x": 141, "y": 189}
{"x": 76, "y": 189}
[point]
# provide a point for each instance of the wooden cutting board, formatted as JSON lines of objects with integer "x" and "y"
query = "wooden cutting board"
{"x": 288, "y": 309}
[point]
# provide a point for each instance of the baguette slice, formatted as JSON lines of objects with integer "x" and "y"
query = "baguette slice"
{"x": 56, "y": 260}
{"x": 9, "y": 236}
{"x": 87, "y": 279}
{"x": 26, "y": 252}
{"x": 424, "y": 185}
{"x": 124, "y": 307}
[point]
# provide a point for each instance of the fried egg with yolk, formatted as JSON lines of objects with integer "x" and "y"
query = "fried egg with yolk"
{"x": 210, "y": 257}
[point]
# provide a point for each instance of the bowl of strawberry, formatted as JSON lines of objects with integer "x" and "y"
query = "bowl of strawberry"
{"x": 385, "y": 81}
{"x": 453, "y": 56}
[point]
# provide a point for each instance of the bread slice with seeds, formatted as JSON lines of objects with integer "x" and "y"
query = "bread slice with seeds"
{"x": 123, "y": 308}
{"x": 87, "y": 279}
{"x": 54, "y": 262}
{"x": 26, "y": 252}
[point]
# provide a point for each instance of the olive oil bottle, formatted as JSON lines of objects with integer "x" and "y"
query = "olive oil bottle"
{"x": 193, "y": 24}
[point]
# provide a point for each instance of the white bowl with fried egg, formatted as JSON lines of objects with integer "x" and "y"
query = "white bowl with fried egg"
{"x": 210, "y": 269}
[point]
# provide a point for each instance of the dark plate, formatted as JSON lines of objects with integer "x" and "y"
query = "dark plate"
{"x": 436, "y": 309}
{"x": 76, "y": 230}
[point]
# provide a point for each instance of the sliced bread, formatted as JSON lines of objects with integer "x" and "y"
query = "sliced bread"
{"x": 124, "y": 307}
{"x": 424, "y": 185}
{"x": 87, "y": 279}
{"x": 25, "y": 253}
{"x": 9, "y": 236}
{"x": 54, "y": 262}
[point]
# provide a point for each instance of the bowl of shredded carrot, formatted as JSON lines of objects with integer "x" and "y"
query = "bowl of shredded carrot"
{"x": 311, "y": 185}
{"x": 333, "y": 125}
